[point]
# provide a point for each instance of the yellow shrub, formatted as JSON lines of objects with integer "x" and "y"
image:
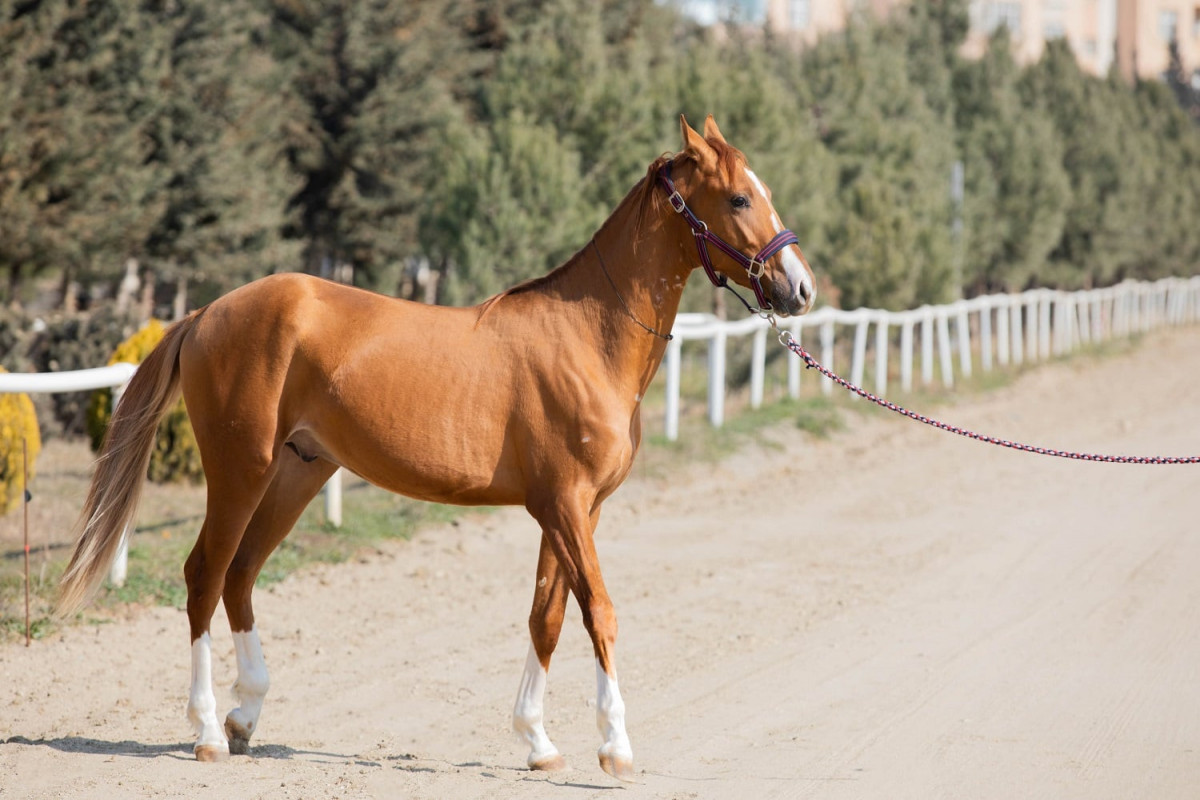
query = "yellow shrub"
{"x": 17, "y": 421}
{"x": 176, "y": 457}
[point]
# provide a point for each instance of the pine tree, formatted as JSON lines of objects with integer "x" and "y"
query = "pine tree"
{"x": 889, "y": 241}
{"x": 75, "y": 188}
{"x": 568, "y": 116}
{"x": 215, "y": 128}
{"x": 1017, "y": 189}
{"x": 369, "y": 88}
{"x": 1100, "y": 223}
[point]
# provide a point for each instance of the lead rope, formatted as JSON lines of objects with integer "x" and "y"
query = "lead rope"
{"x": 788, "y": 341}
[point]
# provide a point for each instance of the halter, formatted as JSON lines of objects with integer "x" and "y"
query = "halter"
{"x": 755, "y": 267}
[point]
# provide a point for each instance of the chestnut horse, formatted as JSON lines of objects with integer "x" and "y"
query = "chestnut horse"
{"x": 532, "y": 398}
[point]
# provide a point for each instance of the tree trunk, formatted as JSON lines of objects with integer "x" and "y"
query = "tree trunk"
{"x": 179, "y": 307}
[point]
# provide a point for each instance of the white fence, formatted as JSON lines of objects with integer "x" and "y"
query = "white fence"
{"x": 112, "y": 377}
{"x": 983, "y": 331}
{"x": 115, "y": 377}
{"x": 989, "y": 330}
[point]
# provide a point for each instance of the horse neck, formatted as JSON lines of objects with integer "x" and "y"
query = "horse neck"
{"x": 646, "y": 271}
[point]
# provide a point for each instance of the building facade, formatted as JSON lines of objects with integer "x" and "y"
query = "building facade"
{"x": 1136, "y": 34}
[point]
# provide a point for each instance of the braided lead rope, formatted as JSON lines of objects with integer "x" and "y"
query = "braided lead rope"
{"x": 788, "y": 341}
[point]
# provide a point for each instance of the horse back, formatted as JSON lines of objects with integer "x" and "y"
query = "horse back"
{"x": 423, "y": 400}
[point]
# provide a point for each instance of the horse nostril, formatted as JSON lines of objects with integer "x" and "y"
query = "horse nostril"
{"x": 806, "y": 292}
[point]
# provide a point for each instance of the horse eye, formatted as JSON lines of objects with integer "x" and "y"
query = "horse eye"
{"x": 739, "y": 201}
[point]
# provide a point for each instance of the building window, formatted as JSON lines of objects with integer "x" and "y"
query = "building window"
{"x": 1168, "y": 26}
{"x": 754, "y": 11}
{"x": 1006, "y": 14}
{"x": 1053, "y": 30}
{"x": 798, "y": 14}
{"x": 710, "y": 12}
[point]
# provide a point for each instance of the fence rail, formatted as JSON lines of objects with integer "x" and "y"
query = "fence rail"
{"x": 116, "y": 377}
{"x": 988, "y": 330}
{"x": 985, "y": 331}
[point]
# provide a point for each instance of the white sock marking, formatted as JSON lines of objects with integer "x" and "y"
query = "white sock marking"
{"x": 610, "y": 717}
{"x": 252, "y": 680}
{"x": 202, "y": 704}
{"x": 527, "y": 713}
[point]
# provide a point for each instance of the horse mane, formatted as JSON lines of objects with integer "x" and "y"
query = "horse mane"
{"x": 645, "y": 193}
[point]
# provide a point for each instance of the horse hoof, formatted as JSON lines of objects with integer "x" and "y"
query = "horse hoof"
{"x": 239, "y": 738}
{"x": 211, "y": 753}
{"x": 618, "y": 766}
{"x": 554, "y": 763}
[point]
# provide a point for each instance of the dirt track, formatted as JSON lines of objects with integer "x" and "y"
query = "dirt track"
{"x": 893, "y": 612}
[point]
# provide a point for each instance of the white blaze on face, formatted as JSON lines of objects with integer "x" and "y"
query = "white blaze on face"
{"x": 797, "y": 274}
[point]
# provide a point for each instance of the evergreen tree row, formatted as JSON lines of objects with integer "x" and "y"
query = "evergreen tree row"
{"x": 464, "y": 145}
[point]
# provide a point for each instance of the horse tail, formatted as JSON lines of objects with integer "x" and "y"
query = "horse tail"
{"x": 116, "y": 487}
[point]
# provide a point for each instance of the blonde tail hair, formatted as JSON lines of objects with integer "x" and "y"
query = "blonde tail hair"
{"x": 116, "y": 488}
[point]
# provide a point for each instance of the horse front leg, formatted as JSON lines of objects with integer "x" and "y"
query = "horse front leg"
{"x": 569, "y": 532}
{"x": 545, "y": 624}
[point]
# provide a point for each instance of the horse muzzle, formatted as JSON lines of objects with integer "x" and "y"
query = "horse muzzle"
{"x": 794, "y": 293}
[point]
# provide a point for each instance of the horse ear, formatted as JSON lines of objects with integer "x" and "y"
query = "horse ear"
{"x": 695, "y": 146}
{"x": 711, "y": 131}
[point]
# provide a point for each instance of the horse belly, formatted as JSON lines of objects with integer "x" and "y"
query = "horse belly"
{"x": 439, "y": 480}
{"x": 440, "y": 454}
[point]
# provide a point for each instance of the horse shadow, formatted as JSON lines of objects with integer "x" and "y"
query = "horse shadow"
{"x": 100, "y": 747}
{"x": 405, "y": 762}
{"x": 178, "y": 750}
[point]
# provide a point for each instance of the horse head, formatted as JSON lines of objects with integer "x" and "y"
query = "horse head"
{"x": 728, "y": 207}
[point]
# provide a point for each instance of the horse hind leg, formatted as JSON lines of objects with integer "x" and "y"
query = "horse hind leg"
{"x": 238, "y": 474}
{"x": 545, "y": 624}
{"x": 205, "y": 574}
{"x": 291, "y": 490}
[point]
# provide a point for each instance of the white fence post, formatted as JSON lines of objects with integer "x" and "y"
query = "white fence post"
{"x": 119, "y": 570}
{"x": 827, "y": 353}
{"x": 1018, "y": 340}
{"x": 926, "y": 345}
{"x": 716, "y": 378}
{"x": 985, "y": 336}
{"x": 1059, "y": 316}
{"x": 333, "y": 499}
{"x": 758, "y": 366}
{"x": 674, "y": 356}
{"x": 962, "y": 329}
{"x": 1044, "y": 309}
{"x": 881, "y": 354}
{"x": 793, "y": 365}
{"x": 906, "y": 353}
{"x": 1083, "y": 320}
{"x": 943, "y": 330}
{"x": 1003, "y": 340}
{"x": 858, "y": 360}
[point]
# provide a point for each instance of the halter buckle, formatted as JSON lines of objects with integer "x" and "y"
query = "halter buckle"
{"x": 677, "y": 202}
{"x": 756, "y": 268}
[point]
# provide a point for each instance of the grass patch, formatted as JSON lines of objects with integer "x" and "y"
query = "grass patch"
{"x": 371, "y": 516}
{"x": 820, "y": 416}
{"x": 172, "y": 515}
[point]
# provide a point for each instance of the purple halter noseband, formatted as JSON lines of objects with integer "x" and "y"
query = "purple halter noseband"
{"x": 755, "y": 267}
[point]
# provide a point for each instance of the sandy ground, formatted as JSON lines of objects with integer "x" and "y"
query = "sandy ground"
{"x": 893, "y": 612}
